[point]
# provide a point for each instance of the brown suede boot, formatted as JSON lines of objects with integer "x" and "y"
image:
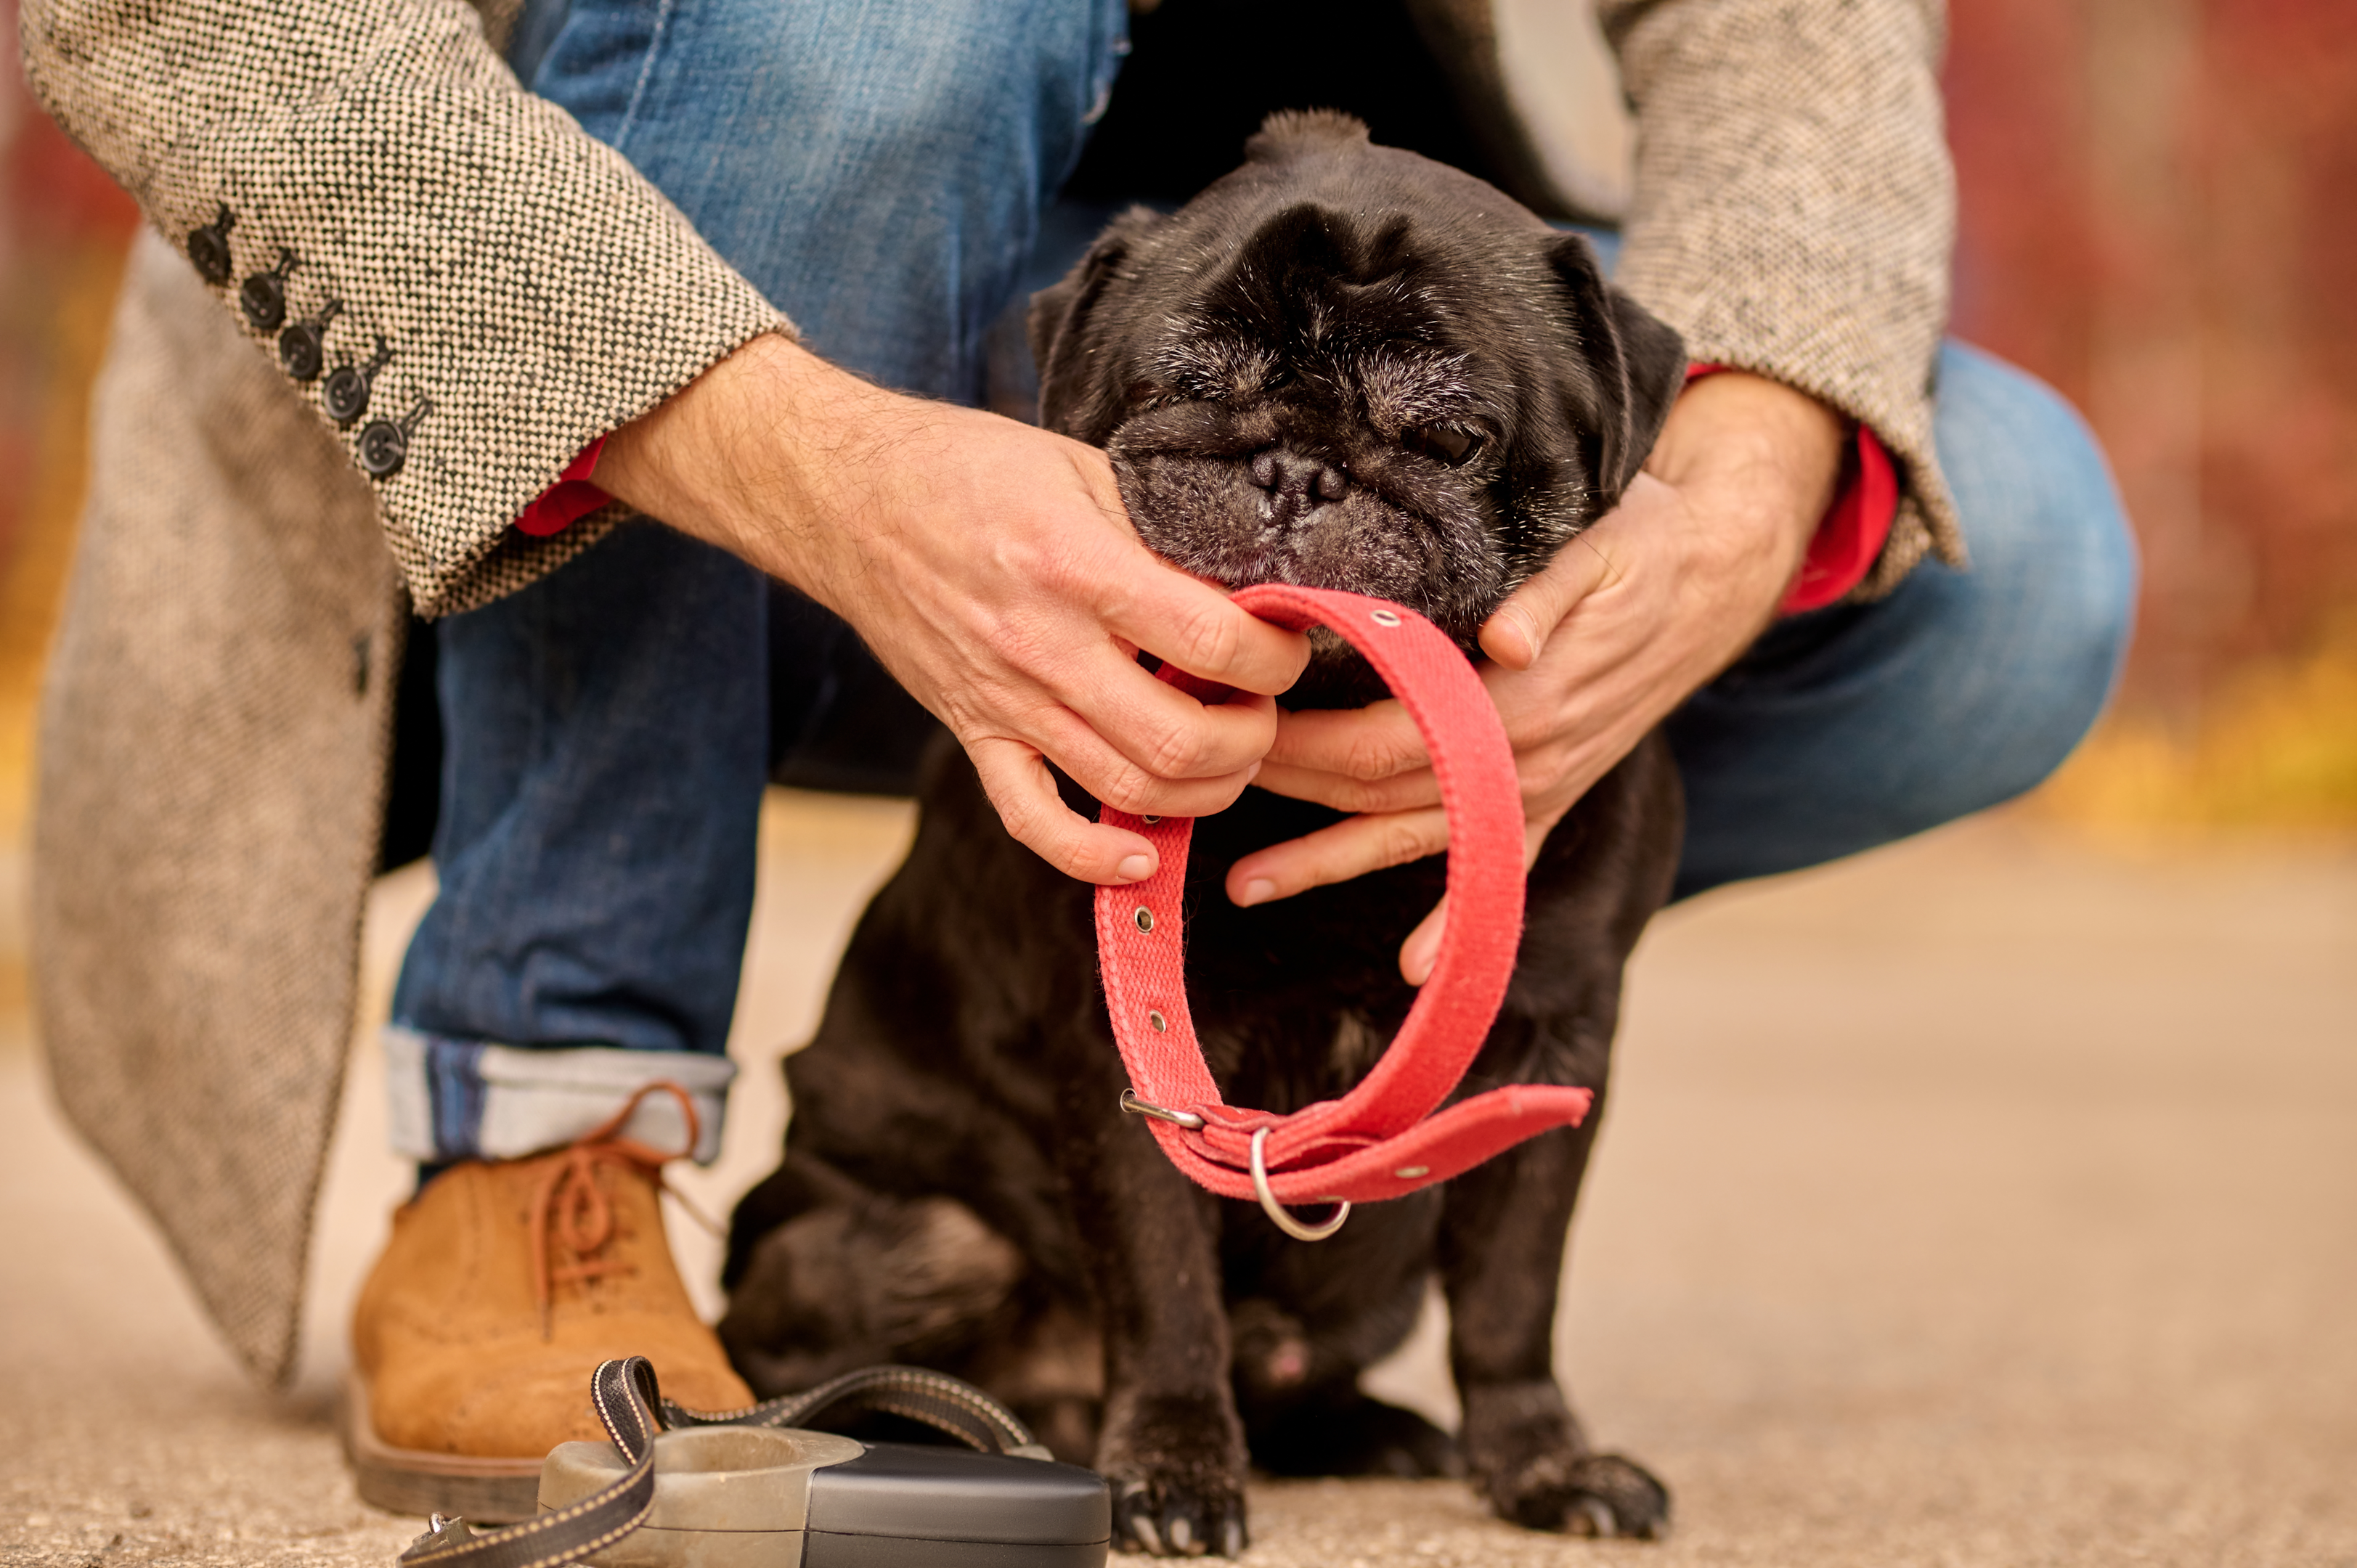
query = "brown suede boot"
{"x": 504, "y": 1286}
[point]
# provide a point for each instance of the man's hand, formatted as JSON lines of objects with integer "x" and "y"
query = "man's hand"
{"x": 1630, "y": 618}
{"x": 992, "y": 568}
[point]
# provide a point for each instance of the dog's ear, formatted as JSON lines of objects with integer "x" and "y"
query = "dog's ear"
{"x": 1070, "y": 395}
{"x": 1291, "y": 132}
{"x": 1639, "y": 361}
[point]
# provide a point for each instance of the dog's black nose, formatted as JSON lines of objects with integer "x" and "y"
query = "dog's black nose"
{"x": 1296, "y": 484}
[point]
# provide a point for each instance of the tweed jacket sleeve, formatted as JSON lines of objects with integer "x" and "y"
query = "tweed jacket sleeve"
{"x": 1794, "y": 211}
{"x": 368, "y": 190}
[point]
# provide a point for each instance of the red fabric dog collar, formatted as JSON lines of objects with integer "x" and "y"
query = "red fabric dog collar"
{"x": 1381, "y": 1139}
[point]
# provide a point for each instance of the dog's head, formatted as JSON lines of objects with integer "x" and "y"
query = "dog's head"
{"x": 1350, "y": 367}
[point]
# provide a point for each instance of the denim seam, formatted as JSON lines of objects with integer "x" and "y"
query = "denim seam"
{"x": 646, "y": 74}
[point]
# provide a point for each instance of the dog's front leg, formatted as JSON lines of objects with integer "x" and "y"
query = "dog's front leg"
{"x": 1501, "y": 1247}
{"x": 1172, "y": 1447}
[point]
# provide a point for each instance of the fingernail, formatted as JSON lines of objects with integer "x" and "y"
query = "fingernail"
{"x": 1136, "y": 868}
{"x": 1259, "y": 890}
{"x": 1416, "y": 961}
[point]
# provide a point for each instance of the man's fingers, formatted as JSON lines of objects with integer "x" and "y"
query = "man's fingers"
{"x": 1422, "y": 948}
{"x": 1536, "y": 830}
{"x": 1084, "y": 750}
{"x": 1199, "y": 628}
{"x": 1404, "y": 793}
{"x": 1121, "y": 784}
{"x": 1517, "y": 631}
{"x": 1016, "y": 779}
{"x": 1163, "y": 731}
{"x": 1378, "y": 741}
{"x": 1351, "y": 847}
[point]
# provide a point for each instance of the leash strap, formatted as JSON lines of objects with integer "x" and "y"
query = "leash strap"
{"x": 1380, "y": 1139}
{"x": 632, "y": 1409}
{"x": 948, "y": 1405}
{"x": 626, "y": 1398}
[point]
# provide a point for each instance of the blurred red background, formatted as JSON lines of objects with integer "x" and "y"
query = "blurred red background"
{"x": 2159, "y": 213}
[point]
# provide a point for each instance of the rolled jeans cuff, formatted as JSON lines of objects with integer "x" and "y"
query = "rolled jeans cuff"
{"x": 472, "y": 1100}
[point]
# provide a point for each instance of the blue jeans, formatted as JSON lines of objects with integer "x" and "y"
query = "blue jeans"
{"x": 885, "y": 171}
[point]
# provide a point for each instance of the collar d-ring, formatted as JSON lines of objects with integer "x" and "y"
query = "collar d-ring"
{"x": 1277, "y": 1213}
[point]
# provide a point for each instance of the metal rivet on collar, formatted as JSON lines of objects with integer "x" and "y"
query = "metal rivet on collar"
{"x": 1158, "y": 1021}
{"x": 1149, "y": 822}
{"x": 1383, "y": 618}
{"x": 1144, "y": 919}
{"x": 1409, "y": 1173}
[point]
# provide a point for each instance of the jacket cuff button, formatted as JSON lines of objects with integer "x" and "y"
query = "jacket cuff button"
{"x": 303, "y": 348}
{"x": 347, "y": 391}
{"x": 384, "y": 443}
{"x": 209, "y": 248}
{"x": 264, "y": 294}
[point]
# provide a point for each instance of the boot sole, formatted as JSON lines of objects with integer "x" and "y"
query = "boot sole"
{"x": 415, "y": 1482}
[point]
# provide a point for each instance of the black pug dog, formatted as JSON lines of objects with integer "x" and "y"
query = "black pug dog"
{"x": 1345, "y": 366}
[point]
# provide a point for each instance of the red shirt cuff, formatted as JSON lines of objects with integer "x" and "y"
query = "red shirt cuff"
{"x": 1855, "y": 528}
{"x": 568, "y": 500}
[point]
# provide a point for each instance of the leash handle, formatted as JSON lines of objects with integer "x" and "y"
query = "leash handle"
{"x": 1380, "y": 1139}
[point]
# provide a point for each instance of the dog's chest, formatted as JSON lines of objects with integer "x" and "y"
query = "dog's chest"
{"x": 1295, "y": 1000}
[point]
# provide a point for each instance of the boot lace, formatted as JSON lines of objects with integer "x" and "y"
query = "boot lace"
{"x": 570, "y": 1207}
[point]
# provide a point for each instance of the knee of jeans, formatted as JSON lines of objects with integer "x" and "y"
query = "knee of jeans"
{"x": 2067, "y": 671}
{"x": 2029, "y": 477}
{"x": 2042, "y": 518}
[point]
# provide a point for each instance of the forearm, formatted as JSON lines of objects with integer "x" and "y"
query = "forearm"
{"x": 851, "y": 492}
{"x": 718, "y": 462}
{"x": 1759, "y": 461}
{"x": 772, "y": 455}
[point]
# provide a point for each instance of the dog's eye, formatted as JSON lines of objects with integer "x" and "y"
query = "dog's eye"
{"x": 1443, "y": 443}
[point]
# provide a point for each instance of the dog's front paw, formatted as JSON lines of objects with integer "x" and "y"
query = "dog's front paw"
{"x": 1589, "y": 1494}
{"x": 1177, "y": 1470}
{"x": 1527, "y": 1456}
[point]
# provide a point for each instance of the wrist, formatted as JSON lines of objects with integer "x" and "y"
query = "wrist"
{"x": 1756, "y": 465}
{"x": 724, "y": 460}
{"x": 1774, "y": 455}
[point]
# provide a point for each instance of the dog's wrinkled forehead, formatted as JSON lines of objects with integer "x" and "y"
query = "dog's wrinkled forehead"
{"x": 1314, "y": 304}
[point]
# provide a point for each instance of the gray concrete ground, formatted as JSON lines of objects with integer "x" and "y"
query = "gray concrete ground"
{"x": 1988, "y": 1201}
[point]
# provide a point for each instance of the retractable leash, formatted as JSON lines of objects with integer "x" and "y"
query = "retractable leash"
{"x": 1381, "y": 1139}
{"x": 684, "y": 1488}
